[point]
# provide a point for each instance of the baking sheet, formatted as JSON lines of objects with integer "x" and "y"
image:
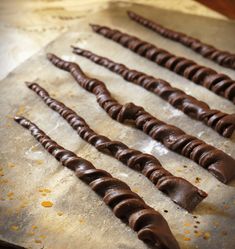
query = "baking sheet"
{"x": 78, "y": 218}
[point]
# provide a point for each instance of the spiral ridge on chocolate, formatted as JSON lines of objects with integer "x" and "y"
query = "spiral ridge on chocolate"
{"x": 222, "y": 58}
{"x": 221, "y": 122}
{"x": 149, "y": 224}
{"x": 178, "y": 189}
{"x": 218, "y": 83}
{"x": 218, "y": 163}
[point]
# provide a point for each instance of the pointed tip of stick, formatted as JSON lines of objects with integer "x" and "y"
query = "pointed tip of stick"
{"x": 18, "y": 118}
{"x": 94, "y": 26}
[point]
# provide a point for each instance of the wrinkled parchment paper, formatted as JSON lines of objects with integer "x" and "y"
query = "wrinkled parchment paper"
{"x": 78, "y": 218}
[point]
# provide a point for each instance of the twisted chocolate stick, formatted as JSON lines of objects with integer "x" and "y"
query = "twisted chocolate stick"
{"x": 218, "y": 163}
{"x": 222, "y": 58}
{"x": 220, "y": 84}
{"x": 221, "y": 122}
{"x": 178, "y": 189}
{"x": 125, "y": 204}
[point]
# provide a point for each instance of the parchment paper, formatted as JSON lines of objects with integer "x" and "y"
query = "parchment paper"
{"x": 78, "y": 217}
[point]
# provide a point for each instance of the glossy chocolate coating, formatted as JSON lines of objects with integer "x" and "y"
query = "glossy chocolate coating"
{"x": 125, "y": 204}
{"x": 221, "y": 122}
{"x": 218, "y": 163}
{"x": 222, "y": 58}
{"x": 178, "y": 189}
{"x": 220, "y": 84}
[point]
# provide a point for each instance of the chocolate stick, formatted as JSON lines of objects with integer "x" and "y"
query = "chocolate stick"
{"x": 218, "y": 163}
{"x": 178, "y": 189}
{"x": 222, "y": 58}
{"x": 220, "y": 84}
{"x": 126, "y": 205}
{"x": 221, "y": 122}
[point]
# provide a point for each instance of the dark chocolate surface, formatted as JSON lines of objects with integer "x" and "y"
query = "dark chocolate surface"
{"x": 178, "y": 189}
{"x": 149, "y": 224}
{"x": 218, "y": 83}
{"x": 222, "y": 58}
{"x": 221, "y": 122}
{"x": 218, "y": 163}
{"x": 8, "y": 245}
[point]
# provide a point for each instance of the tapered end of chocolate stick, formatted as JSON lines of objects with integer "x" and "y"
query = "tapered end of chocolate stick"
{"x": 28, "y": 84}
{"x": 18, "y": 118}
{"x": 23, "y": 121}
{"x": 130, "y": 13}
{"x": 94, "y": 27}
{"x": 77, "y": 50}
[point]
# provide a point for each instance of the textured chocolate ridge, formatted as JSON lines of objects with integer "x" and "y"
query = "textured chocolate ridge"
{"x": 220, "y": 84}
{"x": 222, "y": 58}
{"x": 221, "y": 122}
{"x": 218, "y": 163}
{"x": 178, "y": 189}
{"x": 125, "y": 204}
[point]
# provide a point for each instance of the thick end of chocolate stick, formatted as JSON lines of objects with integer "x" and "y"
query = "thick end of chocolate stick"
{"x": 223, "y": 170}
{"x": 182, "y": 192}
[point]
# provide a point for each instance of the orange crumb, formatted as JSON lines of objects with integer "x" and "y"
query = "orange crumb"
{"x": 81, "y": 221}
{"x": 206, "y": 235}
{"x": 40, "y": 190}
{"x": 11, "y": 165}
{"x": 60, "y": 213}
{"x": 14, "y": 228}
{"x": 10, "y": 194}
{"x": 197, "y": 180}
{"x": 39, "y": 162}
{"x": 21, "y": 110}
{"x": 135, "y": 190}
{"x": 3, "y": 181}
{"x": 1, "y": 173}
{"x": 198, "y": 233}
{"x": 38, "y": 241}
{"x": 226, "y": 206}
{"x": 47, "y": 190}
{"x": 47, "y": 204}
{"x": 34, "y": 227}
{"x": 187, "y": 224}
{"x": 34, "y": 148}
{"x": 42, "y": 236}
{"x": 44, "y": 194}
{"x": 186, "y": 239}
{"x": 186, "y": 231}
